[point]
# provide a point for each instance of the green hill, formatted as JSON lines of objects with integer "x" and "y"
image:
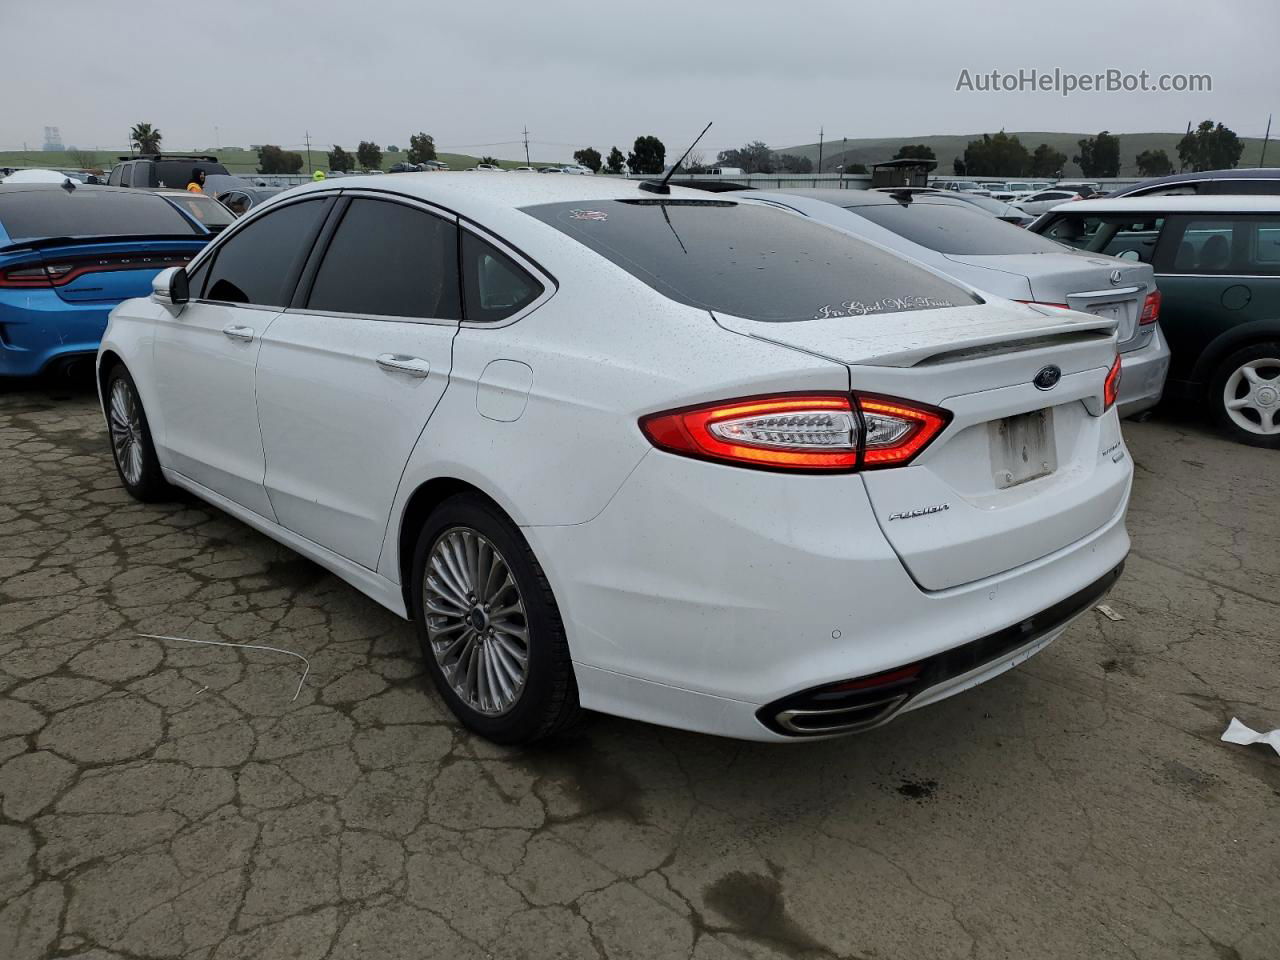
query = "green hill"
{"x": 948, "y": 147}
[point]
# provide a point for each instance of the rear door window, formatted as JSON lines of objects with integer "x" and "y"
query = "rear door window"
{"x": 258, "y": 265}
{"x": 951, "y": 228}
{"x": 748, "y": 259}
{"x": 391, "y": 260}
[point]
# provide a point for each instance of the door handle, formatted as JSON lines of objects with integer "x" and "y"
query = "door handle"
{"x": 237, "y": 332}
{"x": 401, "y": 363}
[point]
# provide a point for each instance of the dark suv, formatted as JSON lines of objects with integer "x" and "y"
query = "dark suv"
{"x": 161, "y": 170}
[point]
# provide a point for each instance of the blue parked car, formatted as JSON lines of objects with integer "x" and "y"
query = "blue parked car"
{"x": 68, "y": 255}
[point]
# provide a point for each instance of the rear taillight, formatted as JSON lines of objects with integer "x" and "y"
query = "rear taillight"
{"x": 42, "y": 276}
{"x": 1150, "y": 308}
{"x": 1111, "y": 386}
{"x": 823, "y": 432}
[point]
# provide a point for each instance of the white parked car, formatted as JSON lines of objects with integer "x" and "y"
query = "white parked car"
{"x": 698, "y": 462}
{"x": 1044, "y": 201}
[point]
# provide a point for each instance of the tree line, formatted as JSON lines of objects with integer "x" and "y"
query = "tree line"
{"x": 1209, "y": 146}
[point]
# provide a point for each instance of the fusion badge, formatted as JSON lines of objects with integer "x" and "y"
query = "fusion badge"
{"x": 921, "y": 512}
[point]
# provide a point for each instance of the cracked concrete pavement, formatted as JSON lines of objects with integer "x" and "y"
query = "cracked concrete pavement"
{"x": 160, "y": 799}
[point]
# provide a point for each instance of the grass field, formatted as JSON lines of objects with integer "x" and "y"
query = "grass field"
{"x": 946, "y": 148}
{"x": 237, "y": 160}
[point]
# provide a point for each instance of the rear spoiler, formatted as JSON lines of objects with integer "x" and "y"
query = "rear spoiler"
{"x": 141, "y": 240}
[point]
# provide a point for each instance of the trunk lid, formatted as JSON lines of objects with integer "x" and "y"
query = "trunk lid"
{"x": 1020, "y": 471}
{"x": 1104, "y": 286}
{"x": 110, "y": 273}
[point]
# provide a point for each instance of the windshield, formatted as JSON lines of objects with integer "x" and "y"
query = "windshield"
{"x": 748, "y": 259}
{"x": 949, "y": 228}
{"x": 89, "y": 212}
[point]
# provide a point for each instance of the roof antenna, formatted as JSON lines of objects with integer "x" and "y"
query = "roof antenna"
{"x": 660, "y": 186}
{"x": 69, "y": 185}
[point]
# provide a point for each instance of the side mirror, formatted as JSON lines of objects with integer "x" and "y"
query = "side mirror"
{"x": 171, "y": 287}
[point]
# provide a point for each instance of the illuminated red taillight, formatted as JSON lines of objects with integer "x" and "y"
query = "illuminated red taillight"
{"x": 1111, "y": 386}
{"x": 1150, "y": 308}
{"x": 820, "y": 432}
{"x": 896, "y": 430}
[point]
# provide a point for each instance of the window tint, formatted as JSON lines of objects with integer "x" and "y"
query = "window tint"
{"x": 114, "y": 178}
{"x": 89, "y": 212}
{"x": 948, "y": 228}
{"x": 748, "y": 259}
{"x": 387, "y": 259}
{"x": 126, "y": 178}
{"x": 258, "y": 264}
{"x": 496, "y": 286}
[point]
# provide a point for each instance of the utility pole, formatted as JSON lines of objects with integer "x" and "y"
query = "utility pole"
{"x": 844, "y": 157}
{"x": 307, "y": 135}
{"x": 526, "y": 147}
{"x": 819, "y": 149}
{"x": 1265, "y": 137}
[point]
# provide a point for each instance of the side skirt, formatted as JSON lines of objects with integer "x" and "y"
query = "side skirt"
{"x": 371, "y": 584}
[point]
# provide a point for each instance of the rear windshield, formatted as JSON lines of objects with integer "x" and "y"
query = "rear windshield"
{"x": 89, "y": 212}
{"x": 952, "y": 229}
{"x": 205, "y": 209}
{"x": 177, "y": 173}
{"x": 749, "y": 260}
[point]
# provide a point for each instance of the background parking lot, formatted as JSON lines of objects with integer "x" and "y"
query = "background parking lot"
{"x": 164, "y": 799}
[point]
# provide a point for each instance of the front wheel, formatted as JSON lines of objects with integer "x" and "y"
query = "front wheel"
{"x": 1245, "y": 395}
{"x": 131, "y": 445}
{"x": 490, "y": 630}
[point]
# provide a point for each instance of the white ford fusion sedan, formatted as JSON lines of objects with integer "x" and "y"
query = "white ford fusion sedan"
{"x": 697, "y": 462}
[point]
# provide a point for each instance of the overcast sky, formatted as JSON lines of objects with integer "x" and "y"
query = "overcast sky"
{"x": 473, "y": 74}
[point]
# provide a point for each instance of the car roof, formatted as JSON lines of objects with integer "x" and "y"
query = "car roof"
{"x": 1218, "y": 203}
{"x": 51, "y": 187}
{"x": 457, "y": 191}
{"x": 1254, "y": 173}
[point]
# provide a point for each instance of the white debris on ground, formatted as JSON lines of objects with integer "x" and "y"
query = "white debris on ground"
{"x": 1237, "y": 732}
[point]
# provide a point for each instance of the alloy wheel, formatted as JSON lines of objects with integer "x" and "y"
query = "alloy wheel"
{"x": 126, "y": 432}
{"x": 476, "y": 621}
{"x": 1251, "y": 396}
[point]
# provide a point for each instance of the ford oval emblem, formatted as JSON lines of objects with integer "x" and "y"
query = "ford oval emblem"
{"x": 1047, "y": 378}
{"x": 1116, "y": 277}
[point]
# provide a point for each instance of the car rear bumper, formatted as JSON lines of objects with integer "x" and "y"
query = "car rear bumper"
{"x": 695, "y": 610}
{"x": 1143, "y": 376}
{"x": 39, "y": 329}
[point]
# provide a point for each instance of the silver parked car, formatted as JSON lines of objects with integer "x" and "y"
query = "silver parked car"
{"x": 954, "y": 239}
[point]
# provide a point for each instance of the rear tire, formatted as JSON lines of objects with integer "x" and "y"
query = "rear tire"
{"x": 489, "y": 627}
{"x": 132, "y": 449}
{"x": 1244, "y": 394}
